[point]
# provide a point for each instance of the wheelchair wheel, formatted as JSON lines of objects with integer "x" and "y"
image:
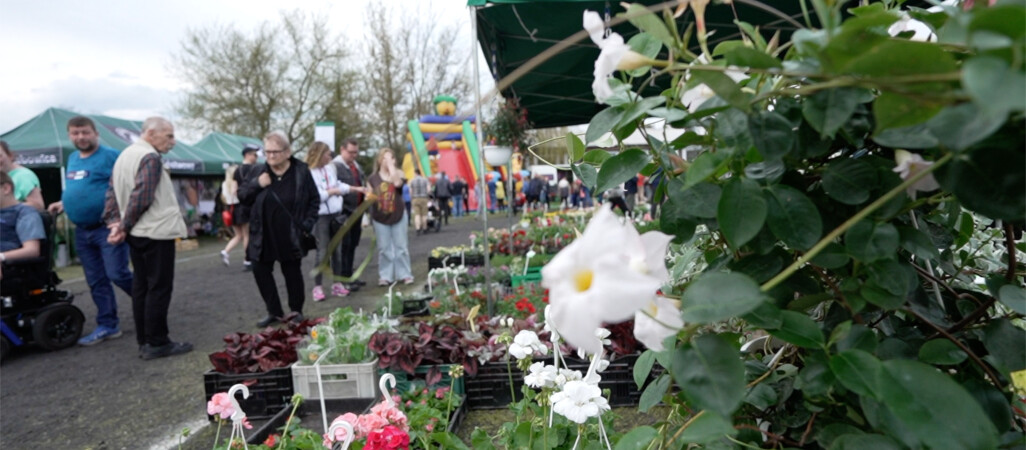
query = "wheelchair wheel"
{"x": 58, "y": 326}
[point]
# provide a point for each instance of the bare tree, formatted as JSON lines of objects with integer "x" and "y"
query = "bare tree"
{"x": 411, "y": 58}
{"x": 283, "y": 76}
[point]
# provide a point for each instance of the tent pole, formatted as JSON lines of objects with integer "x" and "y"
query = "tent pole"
{"x": 481, "y": 207}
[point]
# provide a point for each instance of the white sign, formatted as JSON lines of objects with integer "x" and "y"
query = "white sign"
{"x": 325, "y": 132}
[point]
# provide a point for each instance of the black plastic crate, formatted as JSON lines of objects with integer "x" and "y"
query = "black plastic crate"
{"x": 416, "y": 307}
{"x": 489, "y": 388}
{"x": 618, "y": 378}
{"x": 475, "y": 259}
{"x": 268, "y": 391}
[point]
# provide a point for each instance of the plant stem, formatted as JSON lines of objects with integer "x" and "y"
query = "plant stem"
{"x": 448, "y": 407}
{"x": 285, "y": 431}
{"x": 512, "y": 392}
{"x": 217, "y": 435}
{"x": 837, "y": 232}
{"x": 685, "y": 426}
{"x": 948, "y": 336}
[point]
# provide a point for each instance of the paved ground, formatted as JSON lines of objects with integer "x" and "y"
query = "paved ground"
{"x": 105, "y": 397}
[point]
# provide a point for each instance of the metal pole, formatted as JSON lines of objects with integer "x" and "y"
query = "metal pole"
{"x": 481, "y": 166}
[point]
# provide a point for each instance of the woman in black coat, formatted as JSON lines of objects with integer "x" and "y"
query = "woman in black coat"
{"x": 284, "y": 204}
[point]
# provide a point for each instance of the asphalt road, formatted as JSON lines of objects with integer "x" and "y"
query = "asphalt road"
{"x": 105, "y": 397}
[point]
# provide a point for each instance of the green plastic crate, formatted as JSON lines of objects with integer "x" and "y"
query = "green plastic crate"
{"x": 533, "y": 276}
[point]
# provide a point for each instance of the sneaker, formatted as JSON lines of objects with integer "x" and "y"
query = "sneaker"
{"x": 99, "y": 335}
{"x": 297, "y": 317}
{"x": 358, "y": 283}
{"x": 247, "y": 266}
{"x": 224, "y": 258}
{"x": 408, "y": 280}
{"x": 338, "y": 290}
{"x": 384, "y": 282}
{"x": 170, "y": 349}
{"x": 267, "y": 321}
{"x": 318, "y": 294}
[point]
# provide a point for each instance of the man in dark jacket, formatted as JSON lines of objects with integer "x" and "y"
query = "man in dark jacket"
{"x": 443, "y": 193}
{"x": 349, "y": 172}
{"x": 284, "y": 203}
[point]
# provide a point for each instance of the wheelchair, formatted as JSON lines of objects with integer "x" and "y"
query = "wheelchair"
{"x": 32, "y": 308}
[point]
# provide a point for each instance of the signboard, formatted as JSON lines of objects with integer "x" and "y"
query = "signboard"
{"x": 40, "y": 157}
{"x": 325, "y": 132}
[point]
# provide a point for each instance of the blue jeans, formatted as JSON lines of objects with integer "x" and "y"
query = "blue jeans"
{"x": 103, "y": 263}
{"x": 457, "y": 201}
{"x": 393, "y": 250}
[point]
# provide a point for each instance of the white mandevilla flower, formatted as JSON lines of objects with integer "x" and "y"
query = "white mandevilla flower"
{"x": 694, "y": 97}
{"x": 525, "y": 344}
{"x": 579, "y": 401}
{"x": 541, "y": 375}
{"x": 909, "y": 164}
{"x": 604, "y": 276}
{"x": 615, "y": 55}
{"x": 657, "y": 321}
{"x": 923, "y": 32}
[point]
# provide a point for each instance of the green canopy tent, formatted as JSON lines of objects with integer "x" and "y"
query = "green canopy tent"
{"x": 228, "y": 146}
{"x": 558, "y": 91}
{"x": 43, "y": 143}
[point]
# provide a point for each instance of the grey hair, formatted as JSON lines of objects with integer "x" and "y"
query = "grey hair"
{"x": 279, "y": 138}
{"x": 155, "y": 123}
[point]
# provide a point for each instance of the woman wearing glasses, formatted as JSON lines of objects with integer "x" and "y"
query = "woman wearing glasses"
{"x": 284, "y": 203}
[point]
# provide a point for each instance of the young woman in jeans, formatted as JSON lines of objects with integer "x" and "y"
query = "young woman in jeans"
{"x": 389, "y": 218}
{"x": 331, "y": 191}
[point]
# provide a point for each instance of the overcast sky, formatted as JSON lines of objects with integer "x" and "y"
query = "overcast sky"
{"x": 111, "y": 56}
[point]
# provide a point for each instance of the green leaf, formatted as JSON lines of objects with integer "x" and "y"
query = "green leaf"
{"x": 831, "y": 432}
{"x": 918, "y": 243}
{"x": 989, "y": 178}
{"x": 732, "y": 129}
{"x": 936, "y": 411}
{"x": 653, "y": 394}
{"x": 636, "y": 110}
{"x": 892, "y": 276}
{"x": 643, "y": 367}
{"x": 863, "y": 441}
{"x": 959, "y": 127}
{"x": 829, "y": 109}
{"x": 771, "y": 134}
{"x": 798, "y": 329}
{"x": 793, "y": 217}
{"x": 1004, "y": 345}
{"x": 880, "y": 296}
{"x": 761, "y": 396}
{"x": 602, "y": 123}
{"x": 586, "y": 173}
{"x": 1013, "y": 297}
{"x": 716, "y": 296}
{"x": 869, "y": 241}
{"x": 994, "y": 86}
{"x": 707, "y": 428}
{"x": 522, "y": 435}
{"x": 596, "y": 157}
{"x": 648, "y": 22}
{"x": 767, "y": 316}
{"x": 849, "y": 181}
{"x": 841, "y": 331}
{"x": 645, "y": 44}
{"x": 637, "y": 439}
{"x": 480, "y": 440}
{"x": 915, "y": 136}
{"x": 703, "y": 167}
{"x": 621, "y": 168}
{"x": 895, "y": 111}
{"x": 759, "y": 267}
{"x": 858, "y": 372}
{"x": 815, "y": 379}
{"x": 700, "y": 200}
{"x": 941, "y": 352}
{"x": 833, "y": 256}
{"x": 674, "y": 220}
{"x": 710, "y": 374}
{"x": 724, "y": 87}
{"x": 448, "y": 440}
{"x": 749, "y": 57}
{"x": 574, "y": 147}
{"x": 742, "y": 211}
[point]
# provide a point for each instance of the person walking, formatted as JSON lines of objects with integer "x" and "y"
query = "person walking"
{"x": 240, "y": 216}
{"x": 141, "y": 208}
{"x": 459, "y": 188}
{"x": 88, "y": 176}
{"x": 329, "y": 214}
{"x": 26, "y": 183}
{"x": 230, "y": 199}
{"x": 389, "y": 219}
{"x": 349, "y": 172}
{"x": 563, "y": 189}
{"x": 443, "y": 193}
{"x": 420, "y": 190}
{"x": 284, "y": 200}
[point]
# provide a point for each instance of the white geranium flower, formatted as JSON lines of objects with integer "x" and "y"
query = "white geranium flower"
{"x": 525, "y": 344}
{"x": 923, "y": 32}
{"x": 602, "y": 334}
{"x": 564, "y": 376}
{"x": 579, "y": 401}
{"x": 657, "y": 321}
{"x": 603, "y": 276}
{"x": 910, "y": 164}
{"x": 541, "y": 375}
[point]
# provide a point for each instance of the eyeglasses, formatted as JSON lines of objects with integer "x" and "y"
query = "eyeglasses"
{"x": 273, "y": 152}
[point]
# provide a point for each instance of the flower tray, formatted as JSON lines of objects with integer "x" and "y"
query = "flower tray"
{"x": 340, "y": 381}
{"x": 310, "y": 411}
{"x": 268, "y": 391}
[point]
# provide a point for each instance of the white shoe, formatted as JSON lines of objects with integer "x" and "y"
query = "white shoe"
{"x": 224, "y": 257}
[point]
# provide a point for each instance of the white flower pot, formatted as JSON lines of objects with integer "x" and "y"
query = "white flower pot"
{"x": 497, "y": 155}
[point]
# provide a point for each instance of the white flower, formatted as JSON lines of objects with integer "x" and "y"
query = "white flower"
{"x": 525, "y": 344}
{"x": 615, "y": 55}
{"x": 579, "y": 401}
{"x": 541, "y": 375}
{"x": 564, "y": 376}
{"x": 603, "y": 276}
{"x": 602, "y": 334}
{"x": 694, "y": 97}
{"x": 657, "y": 321}
{"x": 923, "y": 32}
{"x": 910, "y": 164}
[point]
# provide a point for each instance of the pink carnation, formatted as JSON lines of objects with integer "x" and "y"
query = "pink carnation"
{"x": 390, "y": 413}
{"x": 220, "y": 404}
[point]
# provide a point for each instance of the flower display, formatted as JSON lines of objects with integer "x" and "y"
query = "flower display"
{"x": 579, "y": 401}
{"x": 591, "y": 282}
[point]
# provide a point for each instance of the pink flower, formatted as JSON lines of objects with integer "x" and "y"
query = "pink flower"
{"x": 440, "y": 393}
{"x": 429, "y": 427}
{"x": 220, "y": 404}
{"x": 390, "y": 413}
{"x": 369, "y": 423}
{"x": 389, "y": 438}
{"x": 340, "y": 433}
{"x": 245, "y": 423}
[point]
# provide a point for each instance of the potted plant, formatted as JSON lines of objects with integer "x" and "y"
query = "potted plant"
{"x": 346, "y": 363}
{"x": 507, "y": 133}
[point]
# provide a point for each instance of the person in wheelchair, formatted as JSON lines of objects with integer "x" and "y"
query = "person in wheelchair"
{"x": 21, "y": 227}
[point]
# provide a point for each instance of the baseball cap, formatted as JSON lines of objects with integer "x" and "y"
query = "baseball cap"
{"x": 250, "y": 148}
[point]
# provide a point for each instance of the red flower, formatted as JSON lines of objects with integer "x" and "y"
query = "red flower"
{"x": 388, "y": 438}
{"x": 271, "y": 440}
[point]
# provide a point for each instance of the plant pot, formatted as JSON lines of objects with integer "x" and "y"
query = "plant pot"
{"x": 497, "y": 155}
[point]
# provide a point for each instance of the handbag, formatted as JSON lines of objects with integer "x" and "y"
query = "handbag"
{"x": 226, "y": 215}
{"x": 307, "y": 241}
